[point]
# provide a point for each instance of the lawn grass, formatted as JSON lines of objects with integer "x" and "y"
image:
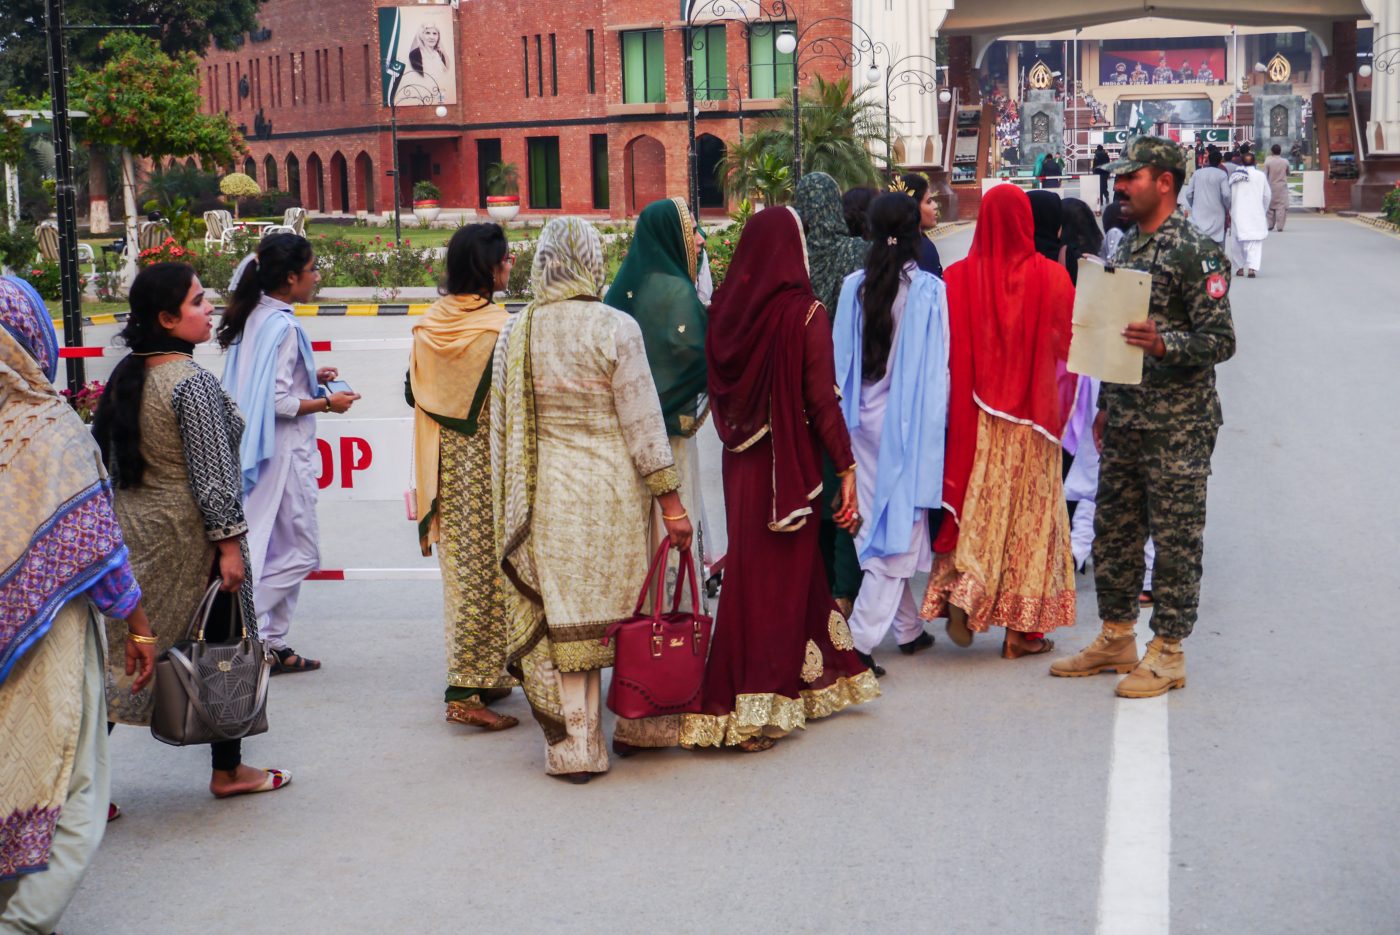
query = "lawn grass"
{"x": 90, "y": 308}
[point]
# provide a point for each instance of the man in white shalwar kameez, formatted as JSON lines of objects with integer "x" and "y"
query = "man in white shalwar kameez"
{"x": 1250, "y": 196}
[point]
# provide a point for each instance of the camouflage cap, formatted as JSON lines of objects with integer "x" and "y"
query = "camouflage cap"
{"x": 1156, "y": 151}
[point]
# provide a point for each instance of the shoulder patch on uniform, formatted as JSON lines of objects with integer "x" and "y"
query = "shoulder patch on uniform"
{"x": 1209, "y": 264}
{"x": 1217, "y": 285}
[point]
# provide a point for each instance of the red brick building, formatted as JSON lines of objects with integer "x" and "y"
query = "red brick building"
{"x": 586, "y": 97}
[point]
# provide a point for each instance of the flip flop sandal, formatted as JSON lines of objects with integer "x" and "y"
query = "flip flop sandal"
{"x": 276, "y": 779}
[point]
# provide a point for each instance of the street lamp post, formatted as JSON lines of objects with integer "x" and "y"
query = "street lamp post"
{"x": 911, "y": 74}
{"x": 394, "y": 143}
{"x": 761, "y": 17}
{"x": 849, "y": 52}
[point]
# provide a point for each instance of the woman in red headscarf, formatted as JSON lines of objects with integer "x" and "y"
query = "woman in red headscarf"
{"x": 1003, "y": 552}
{"x": 781, "y": 652}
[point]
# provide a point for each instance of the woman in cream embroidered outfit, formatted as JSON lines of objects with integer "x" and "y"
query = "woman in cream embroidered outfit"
{"x": 656, "y": 286}
{"x": 578, "y": 451}
{"x": 449, "y": 377}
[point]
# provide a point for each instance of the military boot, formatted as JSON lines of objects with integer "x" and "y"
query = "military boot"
{"x": 1115, "y": 648}
{"x": 1163, "y": 667}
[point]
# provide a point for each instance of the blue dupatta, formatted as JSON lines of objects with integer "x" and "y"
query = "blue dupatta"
{"x": 255, "y": 396}
{"x": 909, "y": 472}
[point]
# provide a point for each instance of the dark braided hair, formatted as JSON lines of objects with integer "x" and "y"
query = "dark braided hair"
{"x": 160, "y": 287}
{"x": 893, "y": 217}
{"x": 279, "y": 256}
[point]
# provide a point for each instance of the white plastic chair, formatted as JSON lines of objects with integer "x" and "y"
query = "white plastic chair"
{"x": 218, "y": 230}
{"x": 293, "y": 222}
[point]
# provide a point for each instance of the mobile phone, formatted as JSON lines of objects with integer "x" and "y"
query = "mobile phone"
{"x": 338, "y": 386}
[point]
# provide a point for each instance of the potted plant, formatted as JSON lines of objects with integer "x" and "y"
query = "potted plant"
{"x": 427, "y": 200}
{"x": 503, "y": 191}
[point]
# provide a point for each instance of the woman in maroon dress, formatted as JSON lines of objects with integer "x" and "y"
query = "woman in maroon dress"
{"x": 782, "y": 653}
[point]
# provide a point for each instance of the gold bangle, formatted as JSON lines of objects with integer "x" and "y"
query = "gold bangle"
{"x": 672, "y": 519}
{"x": 143, "y": 640}
{"x": 846, "y": 472}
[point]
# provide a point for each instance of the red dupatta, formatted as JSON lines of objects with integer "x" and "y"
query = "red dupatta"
{"x": 1009, "y": 315}
{"x": 753, "y": 350}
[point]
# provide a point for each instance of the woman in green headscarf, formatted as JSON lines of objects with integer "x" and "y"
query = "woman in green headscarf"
{"x": 578, "y": 454}
{"x": 656, "y": 286}
{"x": 832, "y": 255}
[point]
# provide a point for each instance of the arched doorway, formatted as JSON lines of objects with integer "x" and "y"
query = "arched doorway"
{"x": 364, "y": 182}
{"x": 644, "y": 172}
{"x": 316, "y": 184}
{"x": 709, "y": 150}
{"x": 250, "y": 168}
{"x": 269, "y": 172}
{"x": 340, "y": 184}
{"x": 294, "y": 176}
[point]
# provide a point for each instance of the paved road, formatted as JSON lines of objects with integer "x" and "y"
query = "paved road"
{"x": 970, "y": 798}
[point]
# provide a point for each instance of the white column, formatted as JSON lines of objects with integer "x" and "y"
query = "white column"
{"x": 1383, "y": 130}
{"x": 904, "y": 28}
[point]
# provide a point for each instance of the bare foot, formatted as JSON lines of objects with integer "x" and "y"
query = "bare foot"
{"x": 231, "y": 782}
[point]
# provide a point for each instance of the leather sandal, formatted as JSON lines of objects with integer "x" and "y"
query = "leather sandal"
{"x": 1008, "y": 651}
{"x": 474, "y": 713}
{"x": 288, "y": 660}
{"x": 756, "y": 744}
{"x": 578, "y": 779}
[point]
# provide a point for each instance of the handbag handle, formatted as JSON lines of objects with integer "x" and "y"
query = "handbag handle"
{"x": 658, "y": 561}
{"x": 686, "y": 571}
{"x": 206, "y": 607}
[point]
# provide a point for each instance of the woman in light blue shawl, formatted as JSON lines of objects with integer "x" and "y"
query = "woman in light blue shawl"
{"x": 891, "y": 346}
{"x": 272, "y": 376}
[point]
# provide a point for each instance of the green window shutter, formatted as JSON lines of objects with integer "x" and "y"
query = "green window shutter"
{"x": 655, "y": 67}
{"x": 599, "y": 145}
{"x": 634, "y": 88}
{"x": 716, "y": 74}
{"x": 783, "y": 77}
{"x": 555, "y": 198}
{"x": 761, "y": 53}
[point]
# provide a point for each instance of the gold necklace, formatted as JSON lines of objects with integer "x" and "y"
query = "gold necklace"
{"x": 161, "y": 354}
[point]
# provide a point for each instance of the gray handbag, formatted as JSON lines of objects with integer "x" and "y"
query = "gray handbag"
{"x": 207, "y": 692}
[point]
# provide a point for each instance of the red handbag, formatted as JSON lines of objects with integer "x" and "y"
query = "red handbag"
{"x": 660, "y": 667}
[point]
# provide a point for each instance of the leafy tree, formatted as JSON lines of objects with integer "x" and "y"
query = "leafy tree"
{"x": 839, "y": 130}
{"x": 184, "y": 26}
{"x": 147, "y": 103}
{"x": 236, "y": 185}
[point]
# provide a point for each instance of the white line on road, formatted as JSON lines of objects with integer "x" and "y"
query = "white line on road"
{"x": 1134, "y": 880}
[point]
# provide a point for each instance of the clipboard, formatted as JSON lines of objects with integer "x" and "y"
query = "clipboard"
{"x": 1106, "y": 300}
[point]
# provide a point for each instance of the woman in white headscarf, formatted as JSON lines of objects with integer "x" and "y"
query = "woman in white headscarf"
{"x": 578, "y": 452}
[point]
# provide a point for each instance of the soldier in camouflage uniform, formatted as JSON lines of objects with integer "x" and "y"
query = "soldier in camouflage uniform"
{"x": 1156, "y": 438}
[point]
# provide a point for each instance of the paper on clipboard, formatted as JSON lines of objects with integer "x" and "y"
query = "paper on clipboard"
{"x": 1105, "y": 301}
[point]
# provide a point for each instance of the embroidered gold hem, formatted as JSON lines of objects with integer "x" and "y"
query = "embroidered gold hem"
{"x": 773, "y": 715}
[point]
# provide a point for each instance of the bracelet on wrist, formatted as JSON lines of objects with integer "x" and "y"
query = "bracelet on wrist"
{"x": 673, "y": 519}
{"x": 143, "y": 640}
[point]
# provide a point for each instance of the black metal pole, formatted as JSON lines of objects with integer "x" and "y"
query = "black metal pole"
{"x": 63, "y": 190}
{"x": 889, "y": 140}
{"x": 692, "y": 166}
{"x": 796, "y": 128}
{"x": 394, "y": 142}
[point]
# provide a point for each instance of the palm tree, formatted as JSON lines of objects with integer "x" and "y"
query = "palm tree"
{"x": 839, "y": 130}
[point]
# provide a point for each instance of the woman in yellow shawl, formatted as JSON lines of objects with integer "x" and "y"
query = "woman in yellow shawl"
{"x": 449, "y": 382}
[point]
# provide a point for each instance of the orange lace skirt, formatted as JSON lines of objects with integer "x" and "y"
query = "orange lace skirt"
{"x": 1012, "y": 566}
